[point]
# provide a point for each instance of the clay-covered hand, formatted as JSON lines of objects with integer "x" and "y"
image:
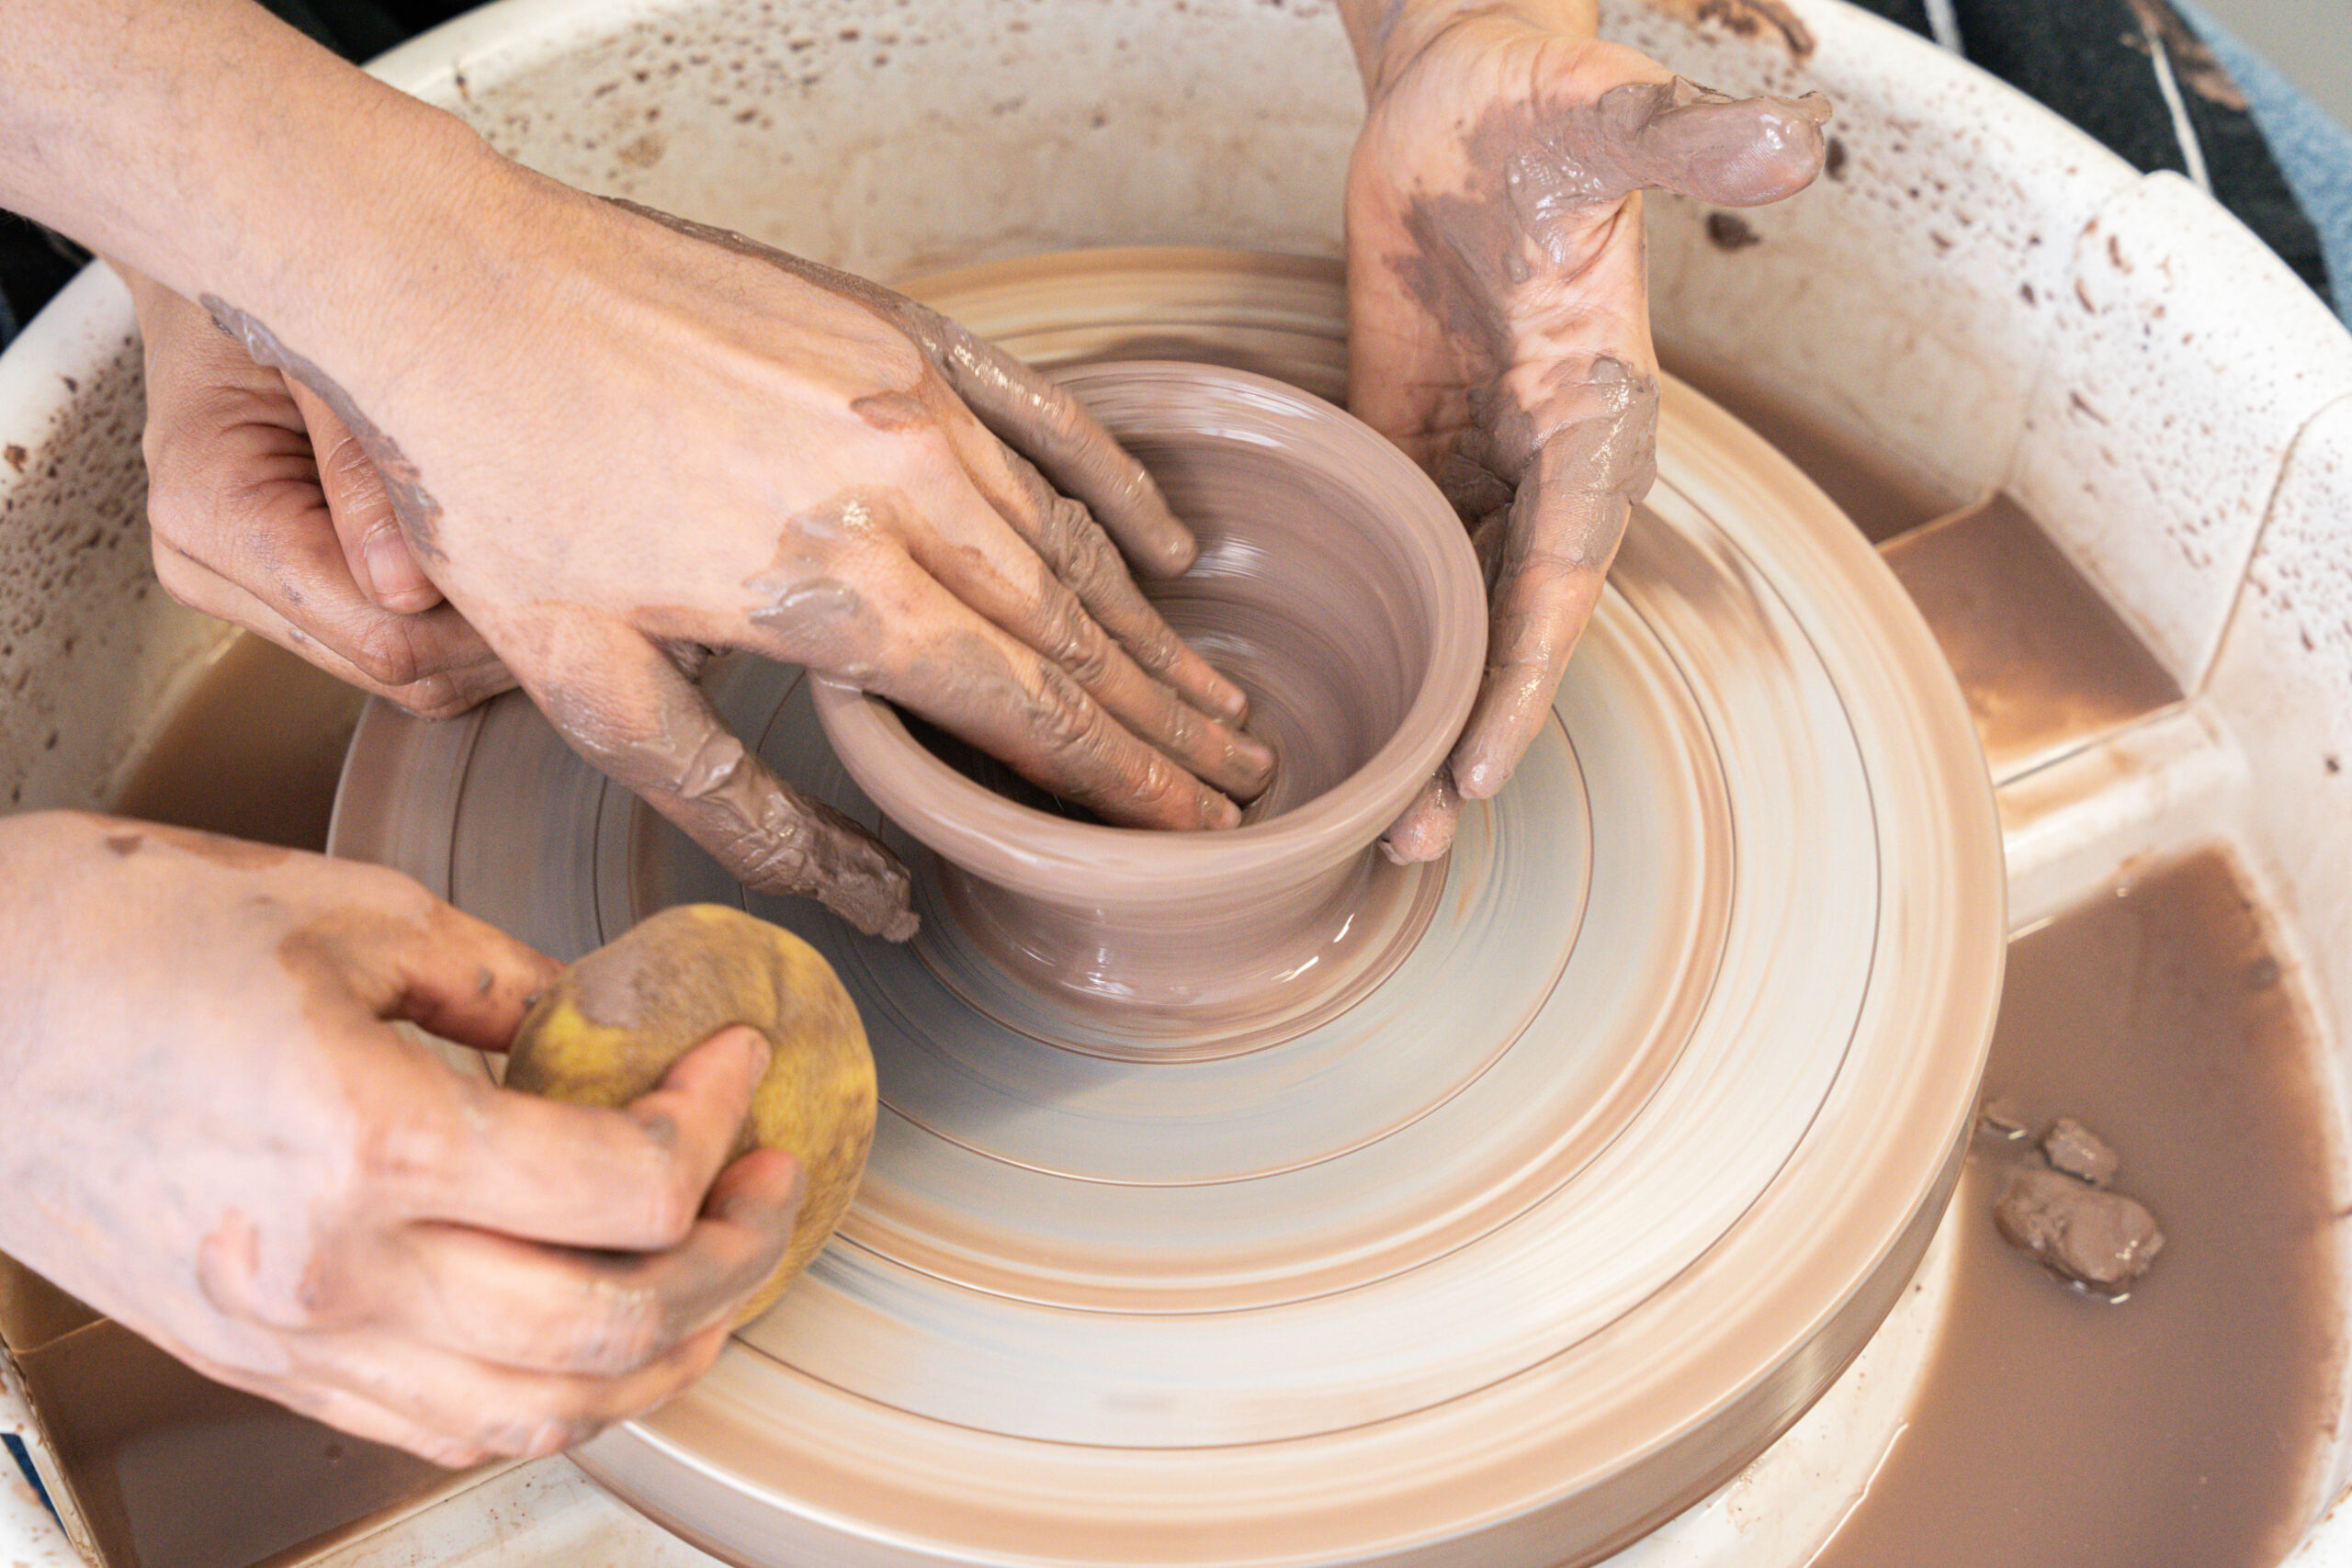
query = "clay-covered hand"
{"x": 211, "y": 1130}
{"x": 657, "y": 435}
{"x": 263, "y": 511}
{"x": 1498, "y": 322}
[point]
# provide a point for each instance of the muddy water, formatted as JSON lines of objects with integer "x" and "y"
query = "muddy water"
{"x": 172, "y": 1471}
{"x": 2046, "y": 664}
{"x": 2182, "y": 1424}
{"x": 253, "y": 750}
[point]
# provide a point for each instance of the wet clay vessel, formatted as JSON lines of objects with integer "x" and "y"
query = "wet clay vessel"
{"x": 1338, "y": 587}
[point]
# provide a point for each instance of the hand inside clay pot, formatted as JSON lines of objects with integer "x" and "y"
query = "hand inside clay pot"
{"x": 1497, "y": 313}
{"x": 864, "y": 522}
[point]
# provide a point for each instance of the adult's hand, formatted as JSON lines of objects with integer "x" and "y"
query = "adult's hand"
{"x": 263, "y": 511}
{"x": 612, "y": 439}
{"x": 211, "y": 1130}
{"x": 756, "y": 452}
{"x": 1498, "y": 318}
{"x": 750, "y": 451}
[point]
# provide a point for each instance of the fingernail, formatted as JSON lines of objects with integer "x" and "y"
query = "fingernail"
{"x": 1218, "y": 812}
{"x": 392, "y": 574}
{"x": 1255, "y": 760}
{"x": 756, "y": 1050}
{"x": 1232, "y": 703}
{"x": 1480, "y": 779}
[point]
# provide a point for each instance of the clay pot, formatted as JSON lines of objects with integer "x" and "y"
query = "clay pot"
{"x": 1339, "y": 587}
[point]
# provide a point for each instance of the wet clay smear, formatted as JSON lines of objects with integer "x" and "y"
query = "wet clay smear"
{"x": 254, "y": 751}
{"x": 2182, "y": 1424}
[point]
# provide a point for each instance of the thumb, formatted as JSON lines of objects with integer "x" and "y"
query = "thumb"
{"x": 618, "y": 699}
{"x": 1677, "y": 136}
{"x": 361, "y": 508}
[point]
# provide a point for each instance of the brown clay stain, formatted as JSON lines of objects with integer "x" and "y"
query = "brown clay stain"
{"x": 1730, "y": 231}
{"x": 1746, "y": 18}
{"x": 643, "y": 151}
{"x": 891, "y": 411}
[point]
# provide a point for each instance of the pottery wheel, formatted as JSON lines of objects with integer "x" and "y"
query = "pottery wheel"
{"x": 1525, "y": 1251}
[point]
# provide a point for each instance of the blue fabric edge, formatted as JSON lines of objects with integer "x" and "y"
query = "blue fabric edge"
{"x": 2313, "y": 152}
{"x": 22, "y": 1455}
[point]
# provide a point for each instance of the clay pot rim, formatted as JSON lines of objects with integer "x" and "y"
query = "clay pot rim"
{"x": 1001, "y": 841}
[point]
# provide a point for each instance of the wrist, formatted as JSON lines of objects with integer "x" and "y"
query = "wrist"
{"x": 1387, "y": 35}
{"x": 395, "y": 238}
{"x": 217, "y": 151}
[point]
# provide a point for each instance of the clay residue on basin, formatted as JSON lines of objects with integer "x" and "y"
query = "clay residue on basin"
{"x": 2045, "y": 663}
{"x": 2185, "y": 1423}
{"x": 174, "y": 1471}
{"x": 252, "y": 749}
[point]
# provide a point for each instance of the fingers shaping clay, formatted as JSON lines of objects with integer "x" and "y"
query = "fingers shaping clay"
{"x": 1337, "y": 589}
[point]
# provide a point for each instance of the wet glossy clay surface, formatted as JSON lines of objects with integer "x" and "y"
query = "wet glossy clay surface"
{"x": 1532, "y": 1245}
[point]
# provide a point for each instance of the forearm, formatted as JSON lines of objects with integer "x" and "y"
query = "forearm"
{"x": 1385, "y": 33}
{"x": 220, "y": 152}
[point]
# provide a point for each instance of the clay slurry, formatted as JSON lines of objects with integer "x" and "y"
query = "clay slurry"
{"x": 2183, "y": 1425}
{"x": 253, "y": 750}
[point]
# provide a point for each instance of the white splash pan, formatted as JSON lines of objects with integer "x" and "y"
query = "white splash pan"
{"x": 1985, "y": 291}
